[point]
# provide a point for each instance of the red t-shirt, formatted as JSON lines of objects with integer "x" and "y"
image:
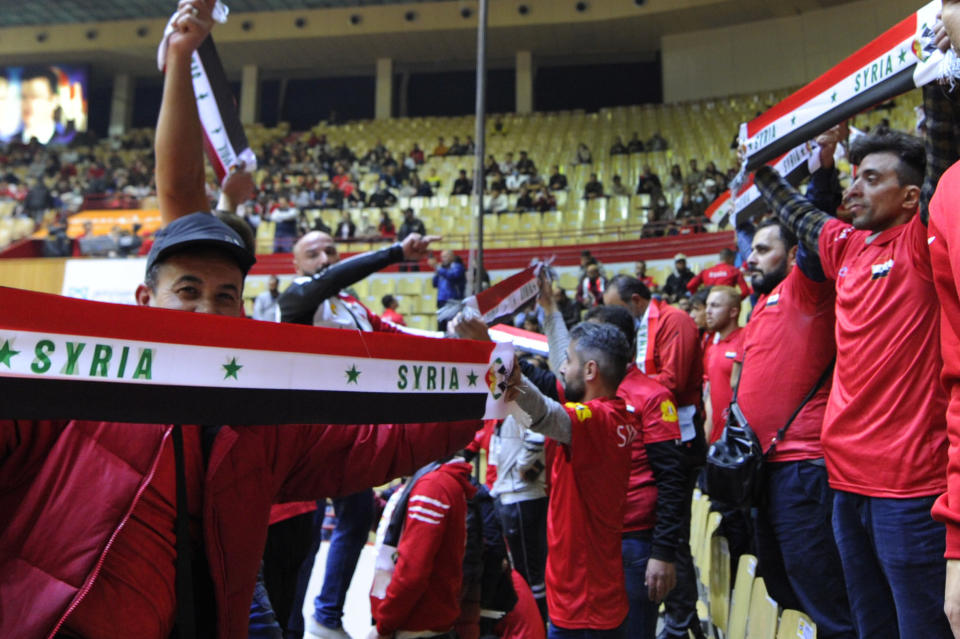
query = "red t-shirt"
{"x": 588, "y": 493}
{"x": 788, "y": 343}
{"x": 884, "y": 432}
{"x": 655, "y": 412}
{"x": 393, "y": 316}
{"x": 944, "y": 243}
{"x": 718, "y": 359}
{"x": 721, "y": 274}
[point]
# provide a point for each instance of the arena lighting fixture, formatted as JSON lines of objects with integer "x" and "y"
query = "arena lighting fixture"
{"x": 142, "y": 32}
{"x": 582, "y": 6}
{"x": 246, "y": 25}
{"x": 300, "y": 22}
{"x": 639, "y": 3}
{"x": 42, "y": 36}
{"x": 410, "y": 16}
{"x": 91, "y": 34}
{"x": 466, "y": 12}
{"x": 356, "y": 19}
{"x": 523, "y": 9}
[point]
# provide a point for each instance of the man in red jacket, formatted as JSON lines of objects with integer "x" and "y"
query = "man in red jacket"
{"x": 422, "y": 598}
{"x": 723, "y": 273}
{"x": 91, "y": 536}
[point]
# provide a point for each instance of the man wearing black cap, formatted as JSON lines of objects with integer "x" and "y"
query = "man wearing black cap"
{"x": 152, "y": 530}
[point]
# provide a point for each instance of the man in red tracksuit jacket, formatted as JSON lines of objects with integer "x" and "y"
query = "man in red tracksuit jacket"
{"x": 723, "y": 273}
{"x": 423, "y": 596}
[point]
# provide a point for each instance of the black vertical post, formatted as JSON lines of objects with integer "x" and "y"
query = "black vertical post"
{"x": 476, "y": 251}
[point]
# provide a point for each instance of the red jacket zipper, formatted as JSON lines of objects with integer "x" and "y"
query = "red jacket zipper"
{"x": 96, "y": 569}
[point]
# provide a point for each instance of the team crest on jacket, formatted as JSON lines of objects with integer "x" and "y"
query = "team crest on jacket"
{"x": 583, "y": 412}
{"x": 668, "y": 412}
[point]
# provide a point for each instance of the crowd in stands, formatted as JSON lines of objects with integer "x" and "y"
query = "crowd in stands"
{"x": 581, "y": 526}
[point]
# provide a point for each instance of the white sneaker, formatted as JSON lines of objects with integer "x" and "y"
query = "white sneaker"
{"x": 316, "y": 629}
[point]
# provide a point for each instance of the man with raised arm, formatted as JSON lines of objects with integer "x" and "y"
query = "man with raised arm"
{"x": 89, "y": 511}
{"x": 884, "y": 431}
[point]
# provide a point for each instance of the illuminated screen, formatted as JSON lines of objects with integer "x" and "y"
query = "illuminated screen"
{"x": 44, "y": 102}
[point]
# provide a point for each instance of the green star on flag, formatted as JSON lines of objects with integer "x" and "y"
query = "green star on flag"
{"x": 472, "y": 378}
{"x": 231, "y": 368}
{"x": 7, "y": 352}
{"x": 793, "y": 120}
{"x": 903, "y": 55}
{"x": 833, "y": 98}
{"x": 353, "y": 374}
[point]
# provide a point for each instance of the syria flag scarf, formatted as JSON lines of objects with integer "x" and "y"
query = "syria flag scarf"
{"x": 501, "y": 299}
{"x": 902, "y": 58}
{"x": 62, "y": 358}
{"x": 746, "y": 201}
{"x": 224, "y": 139}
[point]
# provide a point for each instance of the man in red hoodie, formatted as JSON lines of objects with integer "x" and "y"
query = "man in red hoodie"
{"x": 422, "y": 598}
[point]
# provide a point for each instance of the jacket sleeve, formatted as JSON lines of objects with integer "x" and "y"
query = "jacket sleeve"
{"x": 299, "y": 302}
{"x": 694, "y": 284}
{"x": 558, "y": 339}
{"x": 667, "y": 461}
{"x": 677, "y": 354}
{"x": 544, "y": 380}
{"x": 531, "y": 458}
{"x": 325, "y": 460}
{"x": 430, "y": 512}
{"x": 794, "y": 210}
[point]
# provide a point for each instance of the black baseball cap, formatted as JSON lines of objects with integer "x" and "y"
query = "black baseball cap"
{"x": 199, "y": 229}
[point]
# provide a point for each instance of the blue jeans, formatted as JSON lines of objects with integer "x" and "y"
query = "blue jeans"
{"x": 525, "y": 529}
{"x": 553, "y": 632}
{"x": 642, "y": 618}
{"x": 263, "y": 622}
{"x": 892, "y": 554}
{"x": 798, "y": 557}
{"x": 354, "y": 518}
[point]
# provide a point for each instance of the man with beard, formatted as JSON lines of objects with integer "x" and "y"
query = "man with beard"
{"x": 592, "y": 438}
{"x": 797, "y": 554}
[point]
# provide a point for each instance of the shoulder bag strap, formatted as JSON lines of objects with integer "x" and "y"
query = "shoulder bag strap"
{"x": 813, "y": 391}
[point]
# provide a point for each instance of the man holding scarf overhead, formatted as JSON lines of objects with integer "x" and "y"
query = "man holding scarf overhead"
{"x": 119, "y": 530}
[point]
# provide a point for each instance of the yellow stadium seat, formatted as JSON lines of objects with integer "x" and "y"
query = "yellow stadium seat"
{"x": 705, "y": 555}
{"x": 796, "y": 625}
{"x": 719, "y": 582}
{"x": 741, "y": 597}
{"x": 410, "y": 285}
{"x": 762, "y": 618}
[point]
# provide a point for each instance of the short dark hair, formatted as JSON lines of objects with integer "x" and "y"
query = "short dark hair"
{"x": 789, "y": 237}
{"x": 627, "y": 285}
{"x": 700, "y": 297}
{"x": 908, "y": 149}
{"x": 615, "y": 316}
{"x": 241, "y": 226}
{"x": 47, "y": 73}
{"x": 604, "y": 344}
{"x": 387, "y": 300}
{"x": 727, "y": 253}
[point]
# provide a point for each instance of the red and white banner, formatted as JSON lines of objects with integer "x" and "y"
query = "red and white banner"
{"x": 65, "y": 358}
{"x": 902, "y": 58}
{"x": 522, "y": 340}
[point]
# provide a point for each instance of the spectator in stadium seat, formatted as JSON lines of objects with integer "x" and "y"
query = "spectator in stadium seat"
{"x": 434, "y": 180}
{"x": 462, "y": 185}
{"x": 420, "y": 188}
{"x": 496, "y": 202}
{"x": 525, "y": 199}
{"x": 569, "y": 309}
{"x": 441, "y": 149}
{"x": 525, "y": 165}
{"x": 676, "y": 286}
{"x": 390, "y": 313}
{"x": 346, "y": 229}
{"x": 285, "y": 217}
{"x": 416, "y": 154}
{"x": 649, "y": 182}
{"x": 583, "y": 155}
{"x": 723, "y": 273}
{"x": 675, "y": 181}
{"x": 386, "y": 227}
{"x": 507, "y": 166}
{"x": 471, "y": 148}
{"x": 881, "y": 265}
{"x": 640, "y": 272}
{"x": 265, "y": 304}
{"x": 592, "y": 286}
{"x": 593, "y": 188}
{"x": 558, "y": 181}
{"x": 516, "y": 181}
{"x": 694, "y": 176}
{"x": 457, "y": 148}
{"x": 544, "y": 200}
{"x": 449, "y": 278}
{"x": 411, "y": 224}
{"x": 657, "y": 143}
{"x": 382, "y": 197}
{"x": 618, "y": 188}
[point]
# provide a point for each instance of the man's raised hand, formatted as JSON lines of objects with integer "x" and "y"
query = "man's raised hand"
{"x": 466, "y": 327}
{"x": 415, "y": 246}
{"x": 545, "y": 298}
{"x": 193, "y": 22}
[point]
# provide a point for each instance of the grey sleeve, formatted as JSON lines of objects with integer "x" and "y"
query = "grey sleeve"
{"x": 558, "y": 338}
{"x": 546, "y": 415}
